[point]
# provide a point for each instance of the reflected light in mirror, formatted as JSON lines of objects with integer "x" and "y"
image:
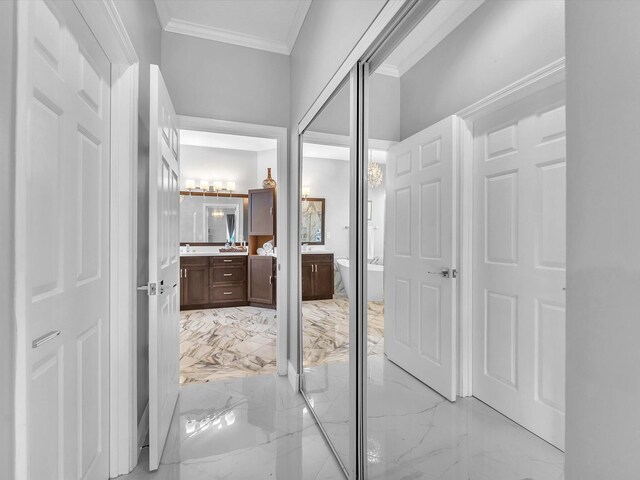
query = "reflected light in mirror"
{"x": 306, "y": 191}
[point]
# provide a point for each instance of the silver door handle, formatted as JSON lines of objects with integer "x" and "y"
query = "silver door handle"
{"x": 227, "y": 274}
{"x": 45, "y": 338}
{"x": 445, "y": 273}
{"x": 227, "y": 261}
{"x": 227, "y": 293}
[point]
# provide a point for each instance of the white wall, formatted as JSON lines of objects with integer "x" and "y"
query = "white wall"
{"x": 226, "y": 82}
{"x": 603, "y": 240}
{"x": 7, "y": 220}
{"x": 266, "y": 159}
{"x": 207, "y": 163}
{"x": 384, "y": 110}
{"x": 501, "y": 42}
{"x": 329, "y": 179}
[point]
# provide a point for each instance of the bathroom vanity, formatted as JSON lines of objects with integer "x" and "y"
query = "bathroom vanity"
{"x": 214, "y": 280}
{"x": 317, "y": 276}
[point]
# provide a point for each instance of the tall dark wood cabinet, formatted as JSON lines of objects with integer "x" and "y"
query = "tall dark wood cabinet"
{"x": 317, "y": 276}
{"x": 262, "y": 229}
{"x": 262, "y": 212}
{"x": 262, "y": 281}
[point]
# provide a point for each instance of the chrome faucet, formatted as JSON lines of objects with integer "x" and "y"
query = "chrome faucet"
{"x": 188, "y": 247}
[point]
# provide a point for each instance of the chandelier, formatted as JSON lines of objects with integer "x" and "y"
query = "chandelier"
{"x": 374, "y": 173}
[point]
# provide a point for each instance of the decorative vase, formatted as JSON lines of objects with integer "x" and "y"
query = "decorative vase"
{"x": 268, "y": 182}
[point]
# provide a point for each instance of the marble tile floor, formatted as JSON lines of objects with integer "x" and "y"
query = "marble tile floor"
{"x": 325, "y": 331}
{"x": 252, "y": 428}
{"x": 413, "y": 433}
{"x": 222, "y": 343}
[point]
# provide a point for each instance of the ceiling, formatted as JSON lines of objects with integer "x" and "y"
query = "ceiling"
{"x": 271, "y": 25}
{"x": 440, "y": 22}
{"x": 223, "y": 140}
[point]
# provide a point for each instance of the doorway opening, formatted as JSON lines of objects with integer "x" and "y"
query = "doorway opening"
{"x": 229, "y": 250}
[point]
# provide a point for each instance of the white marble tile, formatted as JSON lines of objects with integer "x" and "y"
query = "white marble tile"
{"x": 414, "y": 433}
{"x": 241, "y": 429}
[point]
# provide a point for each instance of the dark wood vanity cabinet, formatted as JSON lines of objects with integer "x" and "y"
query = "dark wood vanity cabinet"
{"x": 262, "y": 281}
{"x": 194, "y": 282}
{"x": 317, "y": 276}
{"x": 228, "y": 281}
{"x": 213, "y": 281}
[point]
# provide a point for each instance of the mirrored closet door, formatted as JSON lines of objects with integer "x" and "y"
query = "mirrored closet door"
{"x": 324, "y": 234}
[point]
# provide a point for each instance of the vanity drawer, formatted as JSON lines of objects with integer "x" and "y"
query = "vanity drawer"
{"x": 227, "y": 274}
{"x": 230, "y": 293}
{"x": 184, "y": 261}
{"x": 231, "y": 260}
{"x": 317, "y": 258}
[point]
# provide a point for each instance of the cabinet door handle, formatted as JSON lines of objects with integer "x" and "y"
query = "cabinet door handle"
{"x": 227, "y": 293}
{"x": 227, "y": 261}
{"x": 270, "y": 279}
{"x": 227, "y": 274}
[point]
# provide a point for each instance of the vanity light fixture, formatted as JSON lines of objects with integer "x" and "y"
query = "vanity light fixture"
{"x": 231, "y": 186}
{"x": 306, "y": 191}
{"x": 217, "y": 186}
{"x": 204, "y": 185}
{"x": 190, "y": 184}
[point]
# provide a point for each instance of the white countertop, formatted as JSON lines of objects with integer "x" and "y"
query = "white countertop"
{"x": 316, "y": 252}
{"x": 213, "y": 254}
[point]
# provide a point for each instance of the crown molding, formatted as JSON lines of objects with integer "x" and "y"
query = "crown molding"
{"x": 298, "y": 21}
{"x": 388, "y": 70}
{"x": 544, "y": 77}
{"x": 226, "y": 36}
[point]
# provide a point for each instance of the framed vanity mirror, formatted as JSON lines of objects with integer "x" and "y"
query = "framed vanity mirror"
{"x": 312, "y": 212}
{"x": 213, "y": 220}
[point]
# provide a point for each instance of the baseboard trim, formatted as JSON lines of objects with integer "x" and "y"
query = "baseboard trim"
{"x": 293, "y": 376}
{"x": 143, "y": 429}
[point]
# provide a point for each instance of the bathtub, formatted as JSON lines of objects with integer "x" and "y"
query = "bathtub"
{"x": 375, "y": 279}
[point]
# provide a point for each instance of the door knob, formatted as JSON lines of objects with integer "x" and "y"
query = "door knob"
{"x": 445, "y": 273}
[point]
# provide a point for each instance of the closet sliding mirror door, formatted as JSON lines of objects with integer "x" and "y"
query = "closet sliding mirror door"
{"x": 325, "y": 225}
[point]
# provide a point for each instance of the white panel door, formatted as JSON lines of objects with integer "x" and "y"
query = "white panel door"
{"x": 420, "y": 303}
{"x": 164, "y": 265}
{"x": 62, "y": 242}
{"x": 519, "y": 279}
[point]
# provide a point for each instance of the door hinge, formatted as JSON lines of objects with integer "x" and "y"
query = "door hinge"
{"x": 151, "y": 288}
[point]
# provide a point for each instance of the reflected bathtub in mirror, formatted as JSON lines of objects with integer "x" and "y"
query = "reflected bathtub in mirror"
{"x": 375, "y": 279}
